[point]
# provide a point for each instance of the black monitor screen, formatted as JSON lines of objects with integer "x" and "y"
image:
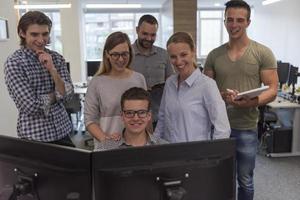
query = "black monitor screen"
{"x": 189, "y": 171}
{"x": 293, "y": 75}
{"x": 38, "y": 171}
{"x": 92, "y": 67}
{"x": 68, "y": 66}
{"x": 283, "y": 72}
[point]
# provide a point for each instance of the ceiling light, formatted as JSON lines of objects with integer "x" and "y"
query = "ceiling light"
{"x": 113, "y": 6}
{"x": 267, "y": 2}
{"x": 217, "y": 4}
{"x": 45, "y": 6}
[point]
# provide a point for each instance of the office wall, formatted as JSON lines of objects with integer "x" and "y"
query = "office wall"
{"x": 167, "y": 23}
{"x": 278, "y": 26}
{"x": 179, "y": 15}
{"x": 185, "y": 16}
{"x": 8, "y": 111}
{"x": 72, "y": 39}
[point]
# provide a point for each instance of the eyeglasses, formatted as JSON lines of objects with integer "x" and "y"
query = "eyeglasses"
{"x": 131, "y": 113}
{"x": 116, "y": 55}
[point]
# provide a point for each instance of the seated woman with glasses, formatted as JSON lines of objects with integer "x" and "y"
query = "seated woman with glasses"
{"x": 102, "y": 101}
{"x": 136, "y": 115}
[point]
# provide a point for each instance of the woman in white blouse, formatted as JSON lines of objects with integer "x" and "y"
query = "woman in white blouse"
{"x": 192, "y": 107}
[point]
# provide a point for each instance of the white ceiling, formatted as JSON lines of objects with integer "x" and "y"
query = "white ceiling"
{"x": 153, "y": 3}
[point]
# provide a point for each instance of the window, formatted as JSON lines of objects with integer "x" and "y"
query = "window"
{"x": 211, "y": 31}
{"x": 56, "y": 43}
{"x": 99, "y": 25}
{"x": 3, "y": 29}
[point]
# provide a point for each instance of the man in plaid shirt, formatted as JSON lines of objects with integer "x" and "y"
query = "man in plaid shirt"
{"x": 38, "y": 81}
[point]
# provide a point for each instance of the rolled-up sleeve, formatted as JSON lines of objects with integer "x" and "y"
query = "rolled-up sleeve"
{"x": 26, "y": 100}
{"x": 65, "y": 76}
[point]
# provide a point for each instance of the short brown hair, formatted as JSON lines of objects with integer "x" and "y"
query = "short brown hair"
{"x": 238, "y": 4}
{"x": 135, "y": 93}
{"x": 30, "y": 18}
{"x": 149, "y": 19}
{"x": 113, "y": 40}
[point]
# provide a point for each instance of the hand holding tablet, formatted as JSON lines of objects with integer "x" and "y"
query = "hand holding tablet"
{"x": 250, "y": 93}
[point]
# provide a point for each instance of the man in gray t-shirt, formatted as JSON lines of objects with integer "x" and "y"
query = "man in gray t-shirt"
{"x": 151, "y": 61}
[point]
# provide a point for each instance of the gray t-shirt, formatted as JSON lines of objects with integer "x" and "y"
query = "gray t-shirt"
{"x": 155, "y": 67}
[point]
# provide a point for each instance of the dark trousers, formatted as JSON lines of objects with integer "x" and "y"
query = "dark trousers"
{"x": 66, "y": 141}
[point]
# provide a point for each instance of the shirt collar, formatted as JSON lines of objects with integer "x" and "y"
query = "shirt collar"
{"x": 150, "y": 140}
{"x": 138, "y": 52}
{"x": 190, "y": 80}
{"x": 193, "y": 77}
{"x": 28, "y": 52}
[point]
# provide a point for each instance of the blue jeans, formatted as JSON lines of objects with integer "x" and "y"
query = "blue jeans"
{"x": 246, "y": 148}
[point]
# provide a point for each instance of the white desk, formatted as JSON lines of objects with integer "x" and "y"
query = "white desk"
{"x": 80, "y": 90}
{"x": 281, "y": 103}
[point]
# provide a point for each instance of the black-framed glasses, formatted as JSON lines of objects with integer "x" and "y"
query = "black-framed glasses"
{"x": 116, "y": 55}
{"x": 131, "y": 113}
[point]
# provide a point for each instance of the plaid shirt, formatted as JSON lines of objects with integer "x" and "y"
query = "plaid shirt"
{"x": 29, "y": 84}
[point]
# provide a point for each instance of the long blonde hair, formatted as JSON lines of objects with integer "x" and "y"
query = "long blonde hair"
{"x": 183, "y": 37}
{"x": 113, "y": 40}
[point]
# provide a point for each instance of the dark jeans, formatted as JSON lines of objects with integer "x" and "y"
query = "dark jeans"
{"x": 66, "y": 141}
{"x": 246, "y": 148}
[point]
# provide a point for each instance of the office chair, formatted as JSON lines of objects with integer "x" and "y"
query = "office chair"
{"x": 156, "y": 93}
{"x": 266, "y": 124}
{"x": 73, "y": 106}
{"x": 267, "y": 119}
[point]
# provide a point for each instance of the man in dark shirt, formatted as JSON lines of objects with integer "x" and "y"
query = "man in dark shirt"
{"x": 38, "y": 82}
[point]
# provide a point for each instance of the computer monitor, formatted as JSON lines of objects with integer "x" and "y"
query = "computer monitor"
{"x": 68, "y": 66}
{"x": 283, "y": 72}
{"x": 92, "y": 67}
{"x": 292, "y": 80}
{"x": 38, "y": 171}
{"x": 293, "y": 75}
{"x": 189, "y": 171}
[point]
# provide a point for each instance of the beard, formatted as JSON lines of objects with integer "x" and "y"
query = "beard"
{"x": 146, "y": 44}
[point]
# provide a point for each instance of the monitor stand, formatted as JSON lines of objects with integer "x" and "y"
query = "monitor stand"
{"x": 25, "y": 185}
{"x": 173, "y": 189}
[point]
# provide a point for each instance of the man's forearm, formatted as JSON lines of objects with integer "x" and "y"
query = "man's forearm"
{"x": 59, "y": 83}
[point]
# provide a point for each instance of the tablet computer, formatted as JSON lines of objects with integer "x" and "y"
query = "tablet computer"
{"x": 251, "y": 93}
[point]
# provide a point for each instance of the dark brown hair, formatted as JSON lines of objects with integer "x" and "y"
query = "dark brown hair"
{"x": 135, "y": 93}
{"x": 149, "y": 19}
{"x": 30, "y": 18}
{"x": 238, "y": 4}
